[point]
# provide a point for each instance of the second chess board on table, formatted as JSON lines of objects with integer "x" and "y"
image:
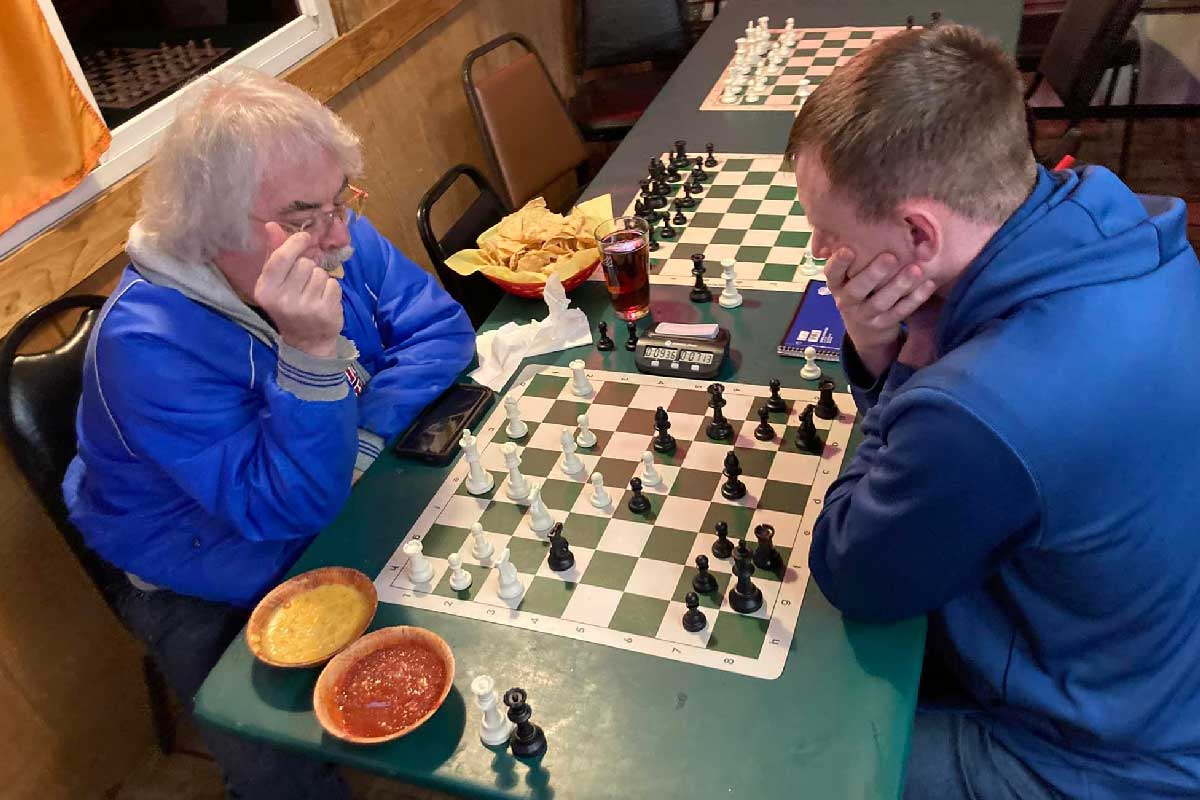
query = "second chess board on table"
{"x": 632, "y": 571}
{"x": 747, "y": 212}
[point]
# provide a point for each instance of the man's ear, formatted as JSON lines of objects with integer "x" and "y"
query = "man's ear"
{"x": 924, "y": 231}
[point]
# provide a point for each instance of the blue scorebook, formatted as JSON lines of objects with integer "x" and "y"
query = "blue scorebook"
{"x": 816, "y": 324}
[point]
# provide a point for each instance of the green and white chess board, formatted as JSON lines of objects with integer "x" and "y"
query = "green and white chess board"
{"x": 632, "y": 571}
{"x": 747, "y": 212}
{"x": 817, "y": 53}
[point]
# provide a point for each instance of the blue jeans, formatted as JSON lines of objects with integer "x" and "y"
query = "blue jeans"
{"x": 953, "y": 757}
{"x": 187, "y": 636}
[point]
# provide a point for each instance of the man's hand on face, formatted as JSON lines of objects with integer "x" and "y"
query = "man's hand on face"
{"x": 873, "y": 300}
{"x": 302, "y": 299}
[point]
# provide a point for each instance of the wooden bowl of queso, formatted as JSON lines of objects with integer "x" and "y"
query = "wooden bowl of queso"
{"x": 308, "y": 619}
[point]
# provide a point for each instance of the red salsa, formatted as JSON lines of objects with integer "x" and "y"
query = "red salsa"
{"x": 389, "y": 690}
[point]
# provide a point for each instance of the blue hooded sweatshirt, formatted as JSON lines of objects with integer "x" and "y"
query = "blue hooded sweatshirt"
{"x": 211, "y": 452}
{"x": 1035, "y": 490}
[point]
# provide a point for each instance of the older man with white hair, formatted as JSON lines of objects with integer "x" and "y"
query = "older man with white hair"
{"x": 256, "y": 354}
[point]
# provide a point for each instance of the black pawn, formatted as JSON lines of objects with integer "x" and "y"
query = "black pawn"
{"x": 722, "y": 547}
{"x": 744, "y": 597}
{"x": 700, "y": 292}
{"x": 695, "y": 187}
{"x": 732, "y": 489}
{"x": 527, "y": 740}
{"x": 775, "y": 403}
{"x": 766, "y": 557}
{"x": 666, "y": 231}
{"x": 711, "y": 161}
{"x": 910, "y": 22}
{"x": 826, "y": 407}
{"x": 638, "y": 504}
{"x": 704, "y": 582}
{"x": 719, "y": 429}
{"x": 663, "y": 442}
{"x": 631, "y": 342}
{"x": 561, "y": 558}
{"x": 935, "y": 17}
{"x": 655, "y": 170}
{"x": 687, "y": 201}
{"x": 679, "y": 218}
{"x": 605, "y": 343}
{"x": 693, "y": 619}
{"x": 807, "y": 438}
{"x": 764, "y": 432}
{"x": 653, "y": 237}
{"x": 698, "y": 174}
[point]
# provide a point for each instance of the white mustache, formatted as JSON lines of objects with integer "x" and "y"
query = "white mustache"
{"x": 333, "y": 259}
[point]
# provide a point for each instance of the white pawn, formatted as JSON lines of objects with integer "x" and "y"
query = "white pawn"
{"x": 810, "y": 371}
{"x": 751, "y": 95}
{"x": 540, "y": 520}
{"x": 730, "y": 297}
{"x": 650, "y": 476}
{"x": 580, "y": 386}
{"x": 494, "y": 728}
{"x": 510, "y": 586}
{"x": 419, "y": 568}
{"x": 571, "y": 463}
{"x": 481, "y": 548}
{"x": 479, "y": 480}
{"x": 516, "y": 426}
{"x": 810, "y": 267}
{"x": 600, "y": 498}
{"x": 518, "y": 486}
{"x": 585, "y": 437}
{"x": 459, "y": 578}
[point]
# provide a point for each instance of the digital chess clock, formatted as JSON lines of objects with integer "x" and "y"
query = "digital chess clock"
{"x": 683, "y": 351}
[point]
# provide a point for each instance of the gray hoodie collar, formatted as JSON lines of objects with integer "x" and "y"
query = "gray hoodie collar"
{"x": 202, "y": 283}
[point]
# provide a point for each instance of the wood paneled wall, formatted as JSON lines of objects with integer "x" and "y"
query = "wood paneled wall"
{"x": 74, "y": 718}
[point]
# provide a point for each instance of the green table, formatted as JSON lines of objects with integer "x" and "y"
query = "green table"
{"x": 619, "y": 724}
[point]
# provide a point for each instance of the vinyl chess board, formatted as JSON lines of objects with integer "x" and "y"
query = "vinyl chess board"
{"x": 817, "y": 53}
{"x": 748, "y": 212}
{"x": 632, "y": 571}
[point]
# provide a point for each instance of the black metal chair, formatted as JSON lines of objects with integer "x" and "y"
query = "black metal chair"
{"x": 527, "y": 132}
{"x": 1091, "y": 38}
{"x": 39, "y": 395}
{"x": 476, "y": 293}
{"x": 613, "y": 33}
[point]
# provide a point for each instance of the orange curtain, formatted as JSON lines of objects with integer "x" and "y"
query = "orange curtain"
{"x": 50, "y": 136}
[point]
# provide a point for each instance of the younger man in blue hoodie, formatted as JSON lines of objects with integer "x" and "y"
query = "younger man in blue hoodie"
{"x": 1025, "y": 347}
{"x": 256, "y": 354}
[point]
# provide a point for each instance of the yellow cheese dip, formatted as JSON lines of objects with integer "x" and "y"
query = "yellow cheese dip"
{"x": 314, "y": 624}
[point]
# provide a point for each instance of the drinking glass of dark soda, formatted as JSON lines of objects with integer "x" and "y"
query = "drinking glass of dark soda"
{"x": 625, "y": 257}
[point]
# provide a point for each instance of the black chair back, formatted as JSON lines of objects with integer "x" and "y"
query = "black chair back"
{"x": 613, "y": 32}
{"x": 39, "y": 395}
{"x": 1082, "y": 46}
{"x": 476, "y": 293}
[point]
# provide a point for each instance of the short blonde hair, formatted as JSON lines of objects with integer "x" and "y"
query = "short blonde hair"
{"x": 201, "y": 184}
{"x": 935, "y": 113}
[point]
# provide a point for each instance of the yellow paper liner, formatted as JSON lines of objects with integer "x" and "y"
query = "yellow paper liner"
{"x": 468, "y": 262}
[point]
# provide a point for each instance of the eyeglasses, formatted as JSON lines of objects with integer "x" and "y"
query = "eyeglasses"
{"x": 320, "y": 222}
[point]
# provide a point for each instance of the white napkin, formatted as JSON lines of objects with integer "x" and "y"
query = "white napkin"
{"x": 501, "y": 351}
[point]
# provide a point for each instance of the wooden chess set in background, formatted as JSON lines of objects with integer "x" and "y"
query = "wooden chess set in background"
{"x": 125, "y": 77}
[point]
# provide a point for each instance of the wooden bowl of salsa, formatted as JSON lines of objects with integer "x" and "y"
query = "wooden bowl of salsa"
{"x": 384, "y": 685}
{"x": 306, "y": 620}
